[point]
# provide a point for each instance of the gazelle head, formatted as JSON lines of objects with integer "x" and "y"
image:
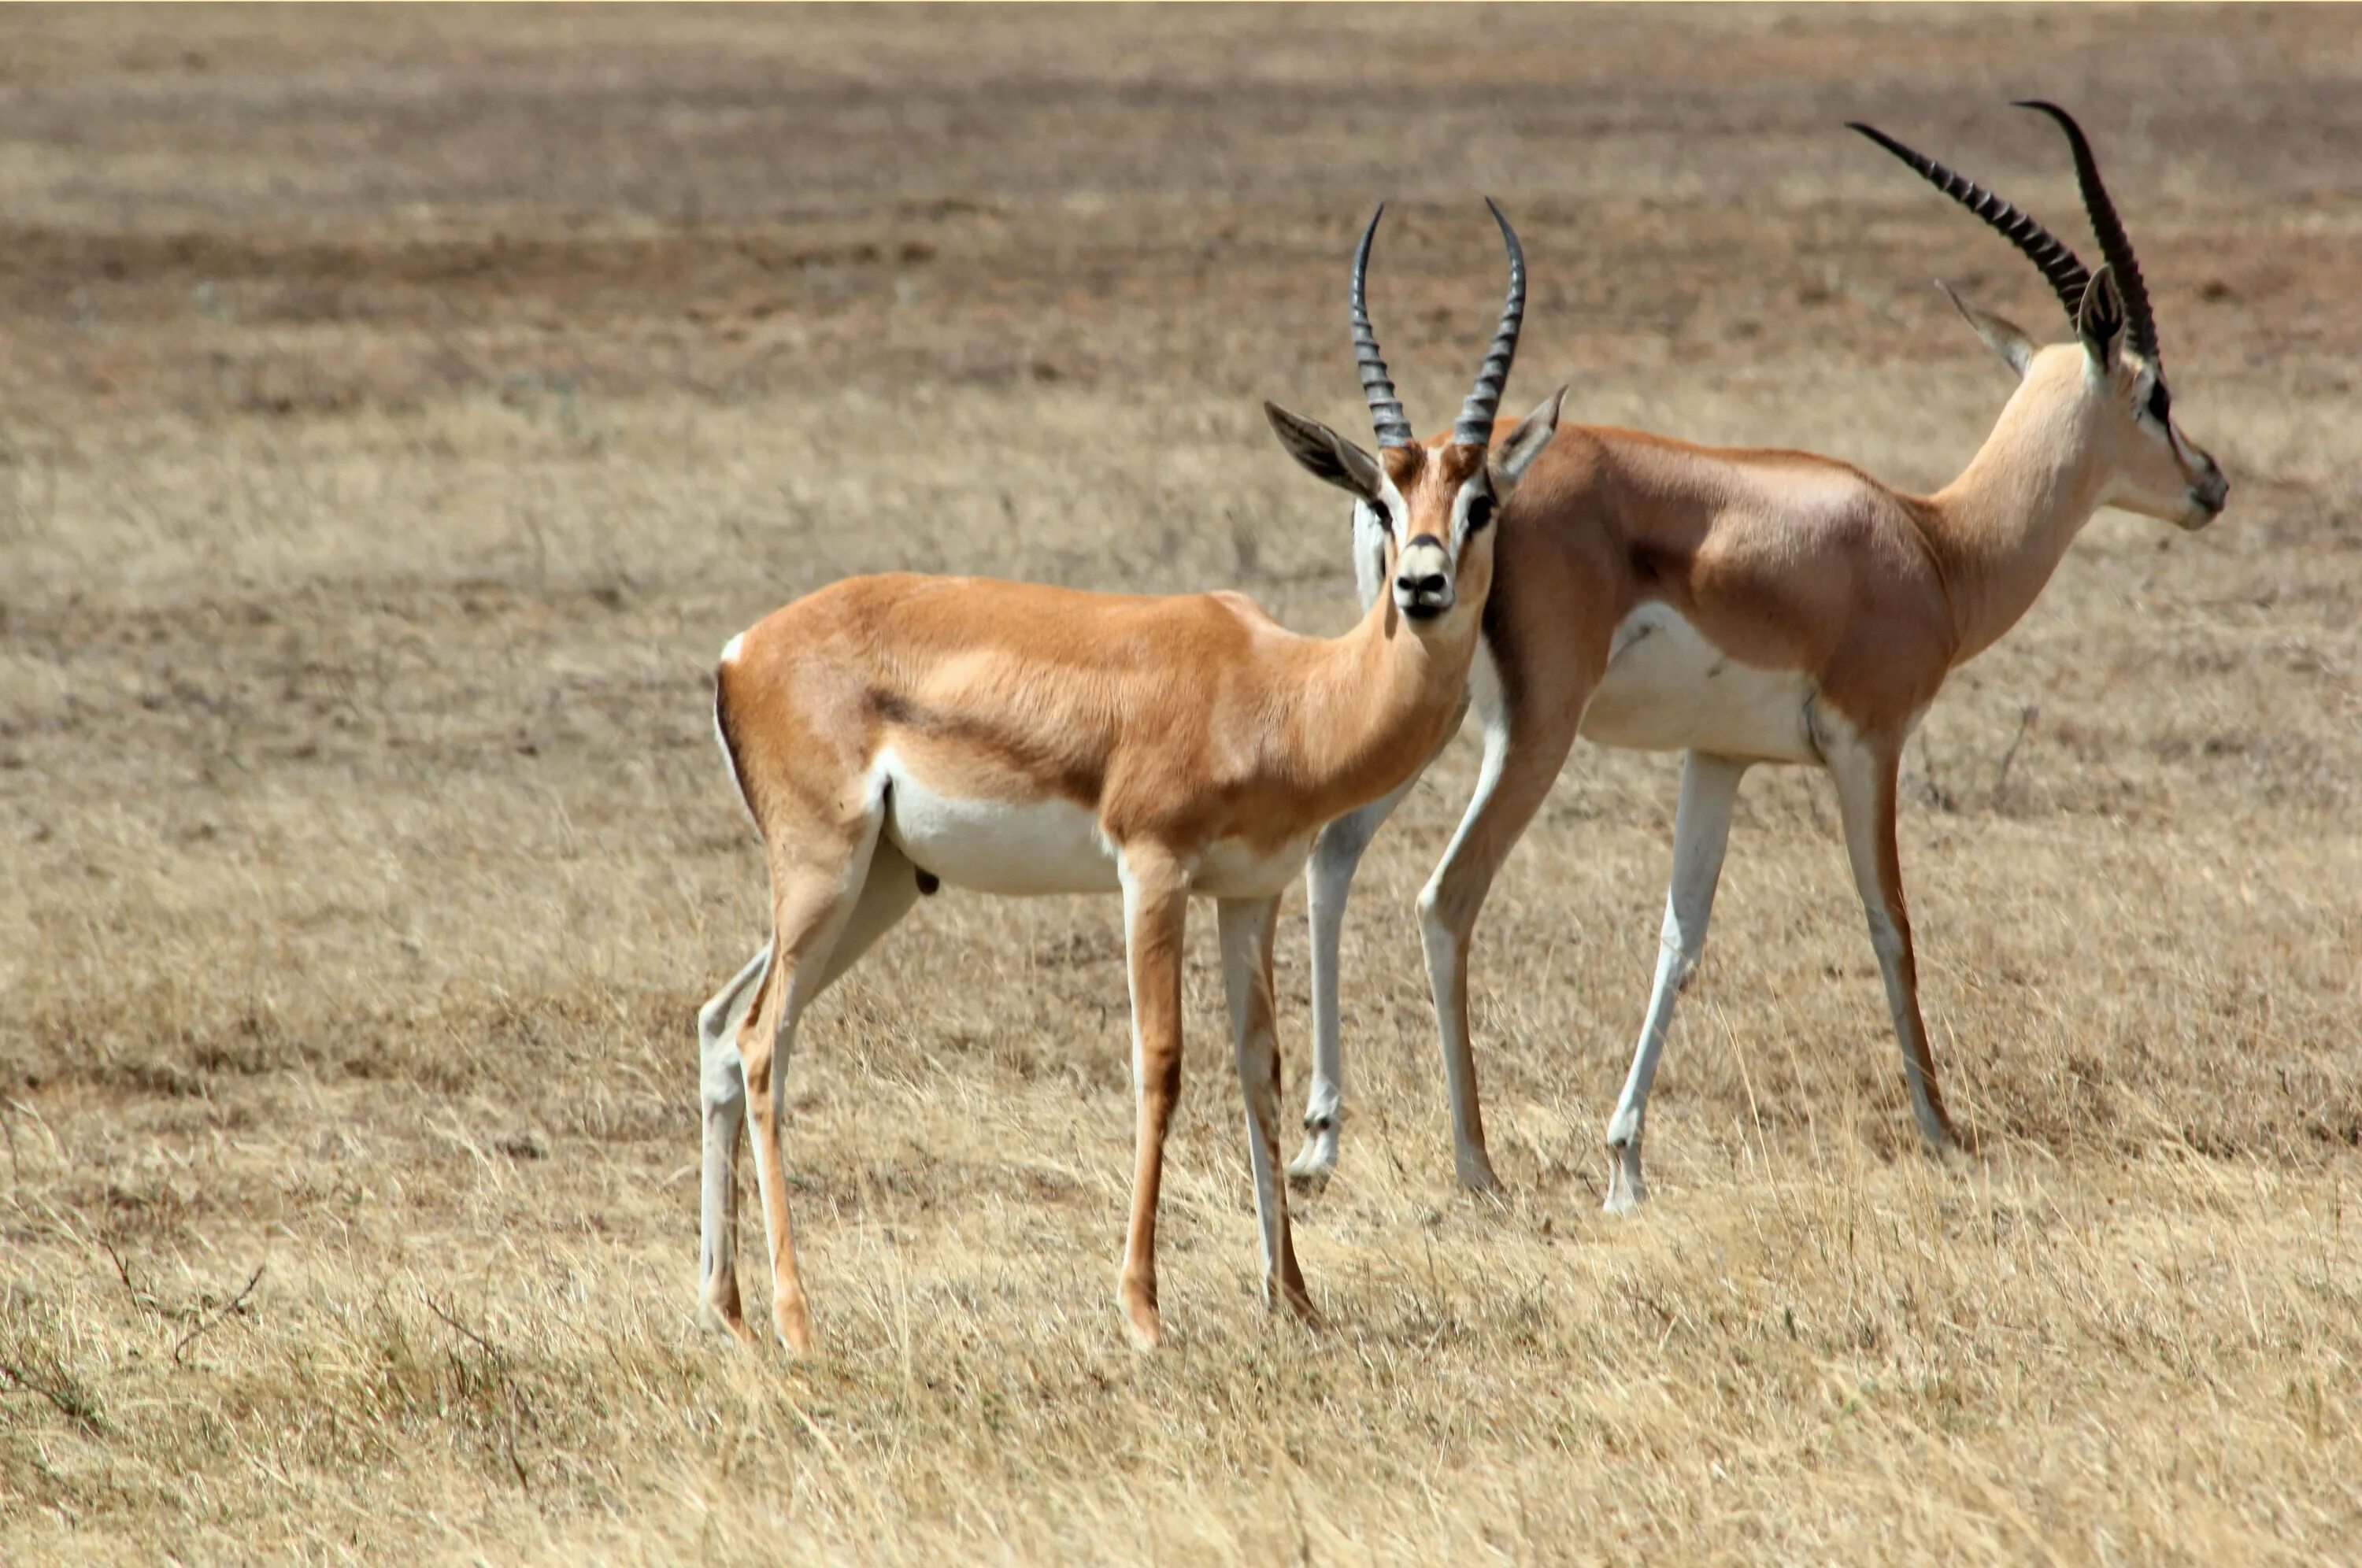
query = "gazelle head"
{"x": 1423, "y": 514}
{"x": 2111, "y": 378}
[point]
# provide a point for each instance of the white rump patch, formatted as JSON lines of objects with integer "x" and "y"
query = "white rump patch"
{"x": 1669, "y": 689}
{"x": 730, "y": 650}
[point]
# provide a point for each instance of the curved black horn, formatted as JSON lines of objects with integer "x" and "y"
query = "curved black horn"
{"x": 2114, "y": 244}
{"x": 1476, "y": 424}
{"x": 1385, "y": 408}
{"x": 2040, "y": 246}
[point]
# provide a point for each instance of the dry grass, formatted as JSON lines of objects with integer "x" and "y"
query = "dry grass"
{"x": 397, "y": 411}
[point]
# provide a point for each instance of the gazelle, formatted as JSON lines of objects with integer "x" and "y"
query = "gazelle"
{"x": 889, "y": 733}
{"x": 1745, "y": 606}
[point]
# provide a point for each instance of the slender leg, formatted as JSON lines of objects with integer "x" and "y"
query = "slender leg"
{"x": 887, "y": 894}
{"x": 1515, "y": 776}
{"x": 815, "y": 885}
{"x": 1701, "y": 831}
{"x": 1865, "y": 774}
{"x": 1247, "y": 927}
{"x": 1156, "y": 905}
{"x": 1328, "y": 882}
{"x": 722, "y": 1097}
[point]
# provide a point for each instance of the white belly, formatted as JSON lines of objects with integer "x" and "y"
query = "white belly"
{"x": 998, "y": 847}
{"x": 1052, "y": 846}
{"x": 1668, "y": 688}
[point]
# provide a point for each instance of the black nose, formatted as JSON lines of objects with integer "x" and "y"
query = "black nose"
{"x": 1430, "y": 586}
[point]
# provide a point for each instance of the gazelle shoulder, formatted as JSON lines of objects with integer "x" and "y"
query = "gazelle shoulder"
{"x": 1245, "y": 610}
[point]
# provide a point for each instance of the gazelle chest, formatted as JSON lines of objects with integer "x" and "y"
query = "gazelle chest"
{"x": 1669, "y": 687}
{"x": 1233, "y": 869}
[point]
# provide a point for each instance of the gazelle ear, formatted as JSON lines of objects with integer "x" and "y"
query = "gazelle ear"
{"x": 1524, "y": 444}
{"x": 2099, "y": 321}
{"x": 1324, "y": 454}
{"x": 2004, "y": 336}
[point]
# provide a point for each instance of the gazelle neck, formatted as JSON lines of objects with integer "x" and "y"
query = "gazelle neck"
{"x": 1376, "y": 701}
{"x": 2000, "y": 529}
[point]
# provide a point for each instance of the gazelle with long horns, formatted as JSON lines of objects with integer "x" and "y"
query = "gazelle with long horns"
{"x": 1748, "y": 606}
{"x": 889, "y": 733}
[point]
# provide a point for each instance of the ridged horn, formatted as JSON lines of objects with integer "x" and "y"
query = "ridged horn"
{"x": 2115, "y": 246}
{"x": 1476, "y": 424}
{"x": 2067, "y": 275}
{"x": 1385, "y": 408}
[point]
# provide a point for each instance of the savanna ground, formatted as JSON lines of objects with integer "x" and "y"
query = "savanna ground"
{"x": 397, "y": 411}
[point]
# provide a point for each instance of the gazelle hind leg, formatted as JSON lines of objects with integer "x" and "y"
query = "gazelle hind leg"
{"x": 816, "y": 885}
{"x": 1865, "y": 775}
{"x": 887, "y": 894}
{"x": 887, "y": 891}
{"x": 1247, "y": 929}
{"x": 1701, "y": 833}
{"x": 1515, "y": 778}
{"x": 722, "y": 1104}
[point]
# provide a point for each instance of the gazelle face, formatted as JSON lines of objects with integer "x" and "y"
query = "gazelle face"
{"x": 2114, "y": 382}
{"x": 2123, "y": 413}
{"x": 1423, "y": 515}
{"x": 1434, "y": 513}
{"x": 2145, "y": 463}
{"x": 2159, "y": 472}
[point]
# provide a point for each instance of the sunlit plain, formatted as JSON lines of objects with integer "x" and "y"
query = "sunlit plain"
{"x": 397, "y": 414}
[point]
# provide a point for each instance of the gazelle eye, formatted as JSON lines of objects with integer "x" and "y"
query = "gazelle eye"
{"x": 1479, "y": 512}
{"x": 2159, "y": 404}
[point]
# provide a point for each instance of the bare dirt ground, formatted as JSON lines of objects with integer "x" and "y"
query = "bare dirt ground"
{"x": 398, "y": 408}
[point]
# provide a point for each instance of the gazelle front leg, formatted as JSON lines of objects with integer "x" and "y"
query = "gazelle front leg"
{"x": 1328, "y": 882}
{"x": 1247, "y": 928}
{"x": 1156, "y": 907}
{"x": 1510, "y": 787}
{"x": 1864, "y": 768}
{"x": 1701, "y": 833}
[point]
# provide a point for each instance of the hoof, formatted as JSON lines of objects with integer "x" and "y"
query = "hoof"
{"x": 1298, "y": 1304}
{"x": 718, "y": 1311}
{"x": 1139, "y": 1304}
{"x": 1477, "y": 1177}
{"x": 793, "y": 1321}
{"x": 713, "y": 1321}
{"x": 1312, "y": 1166}
{"x": 1950, "y": 1153}
{"x": 1626, "y": 1191}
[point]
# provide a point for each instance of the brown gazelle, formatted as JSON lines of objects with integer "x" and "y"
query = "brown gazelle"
{"x": 1771, "y": 606}
{"x": 893, "y": 732}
